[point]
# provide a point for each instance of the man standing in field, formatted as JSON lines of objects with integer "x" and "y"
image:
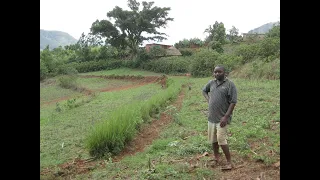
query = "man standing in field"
{"x": 221, "y": 95}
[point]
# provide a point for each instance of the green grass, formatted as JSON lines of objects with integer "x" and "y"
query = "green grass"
{"x": 99, "y": 83}
{"x": 69, "y": 126}
{"x": 124, "y": 71}
{"x": 258, "y": 106}
{"x": 50, "y": 90}
{"x": 254, "y": 132}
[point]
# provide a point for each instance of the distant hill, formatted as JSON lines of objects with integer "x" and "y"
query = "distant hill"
{"x": 55, "y": 39}
{"x": 262, "y": 29}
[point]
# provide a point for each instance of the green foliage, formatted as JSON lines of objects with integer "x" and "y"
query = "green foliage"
{"x": 110, "y": 135}
{"x": 247, "y": 52}
{"x": 186, "y": 51}
{"x": 97, "y": 65}
{"x": 259, "y": 69}
{"x": 68, "y": 81}
{"x": 185, "y": 43}
{"x": 217, "y": 36}
{"x": 269, "y": 47}
{"x": 157, "y": 51}
{"x": 43, "y": 70}
{"x": 66, "y": 69}
{"x": 128, "y": 26}
{"x": 168, "y": 65}
{"x": 234, "y": 35}
{"x": 48, "y": 60}
{"x": 275, "y": 31}
{"x": 203, "y": 63}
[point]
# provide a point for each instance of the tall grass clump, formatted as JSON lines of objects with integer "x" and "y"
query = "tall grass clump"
{"x": 68, "y": 81}
{"x": 110, "y": 136}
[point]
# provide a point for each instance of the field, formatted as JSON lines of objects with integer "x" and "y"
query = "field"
{"x": 173, "y": 144}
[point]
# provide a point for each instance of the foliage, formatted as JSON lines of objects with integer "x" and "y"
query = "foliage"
{"x": 234, "y": 35}
{"x": 128, "y": 26}
{"x": 43, "y": 70}
{"x": 217, "y": 36}
{"x": 68, "y": 81}
{"x": 113, "y": 133}
{"x": 185, "y": 43}
{"x": 203, "y": 63}
{"x": 269, "y": 47}
{"x": 168, "y": 65}
{"x": 274, "y": 31}
{"x": 186, "y": 51}
{"x": 258, "y": 69}
{"x": 97, "y": 65}
{"x": 247, "y": 52}
{"x": 157, "y": 51}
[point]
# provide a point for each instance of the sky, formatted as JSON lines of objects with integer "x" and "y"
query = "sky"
{"x": 191, "y": 18}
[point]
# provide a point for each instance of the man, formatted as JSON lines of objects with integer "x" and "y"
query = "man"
{"x": 221, "y": 95}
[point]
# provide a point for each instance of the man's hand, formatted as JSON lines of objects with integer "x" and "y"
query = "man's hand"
{"x": 223, "y": 121}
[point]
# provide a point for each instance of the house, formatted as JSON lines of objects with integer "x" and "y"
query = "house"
{"x": 170, "y": 50}
{"x": 148, "y": 46}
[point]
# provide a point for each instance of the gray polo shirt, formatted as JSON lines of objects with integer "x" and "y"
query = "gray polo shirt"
{"x": 220, "y": 97}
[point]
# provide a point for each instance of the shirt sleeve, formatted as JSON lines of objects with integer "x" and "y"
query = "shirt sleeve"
{"x": 232, "y": 93}
{"x": 206, "y": 88}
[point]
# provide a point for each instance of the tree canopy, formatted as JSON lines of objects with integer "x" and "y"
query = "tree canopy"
{"x": 129, "y": 25}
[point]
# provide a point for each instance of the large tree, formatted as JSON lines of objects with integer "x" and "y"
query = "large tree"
{"x": 233, "y": 34}
{"x": 129, "y": 25}
{"x": 217, "y": 36}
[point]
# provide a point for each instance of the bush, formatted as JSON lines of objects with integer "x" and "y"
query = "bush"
{"x": 43, "y": 70}
{"x": 203, "y": 62}
{"x": 67, "y": 81}
{"x": 168, "y": 65}
{"x": 97, "y": 65}
{"x": 186, "y": 52}
{"x": 67, "y": 69}
{"x": 269, "y": 47}
{"x": 247, "y": 52}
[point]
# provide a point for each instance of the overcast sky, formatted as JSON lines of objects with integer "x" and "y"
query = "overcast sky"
{"x": 191, "y": 18}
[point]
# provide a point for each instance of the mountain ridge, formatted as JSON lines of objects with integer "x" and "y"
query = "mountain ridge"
{"x": 55, "y": 38}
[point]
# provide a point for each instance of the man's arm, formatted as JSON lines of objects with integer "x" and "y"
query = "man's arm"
{"x": 205, "y": 91}
{"x": 225, "y": 118}
{"x": 205, "y": 94}
{"x": 230, "y": 110}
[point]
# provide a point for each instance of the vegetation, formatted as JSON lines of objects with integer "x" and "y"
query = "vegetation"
{"x": 77, "y": 120}
{"x": 128, "y": 26}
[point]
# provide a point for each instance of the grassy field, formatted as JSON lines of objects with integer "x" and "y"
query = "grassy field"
{"x": 63, "y": 127}
{"x": 254, "y": 131}
{"x": 49, "y": 90}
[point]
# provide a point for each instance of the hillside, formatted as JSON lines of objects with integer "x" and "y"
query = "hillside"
{"x": 55, "y": 39}
{"x": 262, "y": 29}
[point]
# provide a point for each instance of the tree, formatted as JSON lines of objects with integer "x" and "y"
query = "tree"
{"x": 217, "y": 36}
{"x": 128, "y": 26}
{"x": 233, "y": 34}
{"x": 274, "y": 31}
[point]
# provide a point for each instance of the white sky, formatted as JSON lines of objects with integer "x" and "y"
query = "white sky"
{"x": 191, "y": 18}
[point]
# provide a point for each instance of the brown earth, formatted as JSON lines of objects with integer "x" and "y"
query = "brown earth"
{"x": 244, "y": 169}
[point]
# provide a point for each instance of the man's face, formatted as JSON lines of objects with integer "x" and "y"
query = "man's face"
{"x": 218, "y": 73}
